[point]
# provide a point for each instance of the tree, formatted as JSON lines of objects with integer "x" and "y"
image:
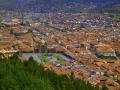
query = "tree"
{"x": 28, "y": 75}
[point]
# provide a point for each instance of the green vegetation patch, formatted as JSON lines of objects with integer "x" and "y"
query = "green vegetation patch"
{"x": 107, "y": 57}
{"x": 43, "y": 58}
{"x": 118, "y": 16}
{"x": 28, "y": 75}
{"x": 30, "y": 32}
{"x": 59, "y": 58}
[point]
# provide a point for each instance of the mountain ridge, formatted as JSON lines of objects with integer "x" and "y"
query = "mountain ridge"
{"x": 58, "y": 5}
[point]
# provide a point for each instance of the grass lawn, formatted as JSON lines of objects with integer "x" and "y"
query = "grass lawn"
{"x": 43, "y": 58}
{"x": 59, "y": 58}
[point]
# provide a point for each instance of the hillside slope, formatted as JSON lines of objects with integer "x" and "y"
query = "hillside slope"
{"x": 17, "y": 75}
{"x": 58, "y": 5}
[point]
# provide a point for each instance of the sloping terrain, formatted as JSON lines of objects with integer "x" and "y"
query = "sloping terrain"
{"x": 59, "y": 5}
{"x": 17, "y": 75}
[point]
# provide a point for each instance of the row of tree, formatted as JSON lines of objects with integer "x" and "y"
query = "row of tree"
{"x": 28, "y": 75}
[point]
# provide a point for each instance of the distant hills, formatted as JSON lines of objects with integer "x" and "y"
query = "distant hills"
{"x": 111, "y": 6}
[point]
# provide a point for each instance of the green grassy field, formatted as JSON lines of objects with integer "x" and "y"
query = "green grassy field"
{"x": 59, "y": 58}
{"x": 43, "y": 58}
